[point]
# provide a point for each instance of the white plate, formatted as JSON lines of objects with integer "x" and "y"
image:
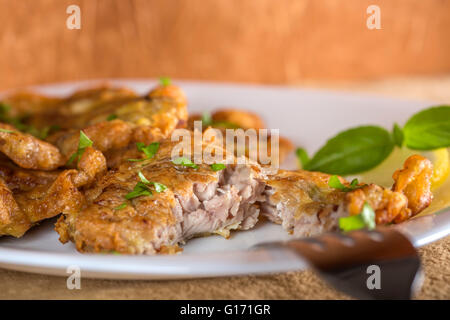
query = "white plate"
{"x": 308, "y": 117}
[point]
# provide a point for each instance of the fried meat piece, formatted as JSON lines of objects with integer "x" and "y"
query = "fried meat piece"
{"x": 302, "y": 202}
{"x": 28, "y": 196}
{"x": 196, "y": 202}
{"x": 27, "y": 151}
{"x": 81, "y": 109}
{"x": 145, "y": 120}
{"x": 306, "y": 205}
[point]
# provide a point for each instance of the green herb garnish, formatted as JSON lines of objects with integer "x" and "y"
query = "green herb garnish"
{"x": 397, "y": 135}
{"x": 217, "y": 166}
{"x": 142, "y": 188}
{"x": 121, "y": 206}
{"x": 302, "y": 157}
{"x": 7, "y": 131}
{"x": 159, "y": 187}
{"x": 206, "y": 119}
{"x": 335, "y": 183}
{"x": 4, "y": 108}
{"x": 365, "y": 219}
{"x": 363, "y": 148}
{"x": 149, "y": 150}
{"x": 165, "y": 81}
{"x": 19, "y": 124}
{"x": 428, "y": 129}
{"x": 111, "y": 117}
{"x": 83, "y": 143}
{"x": 183, "y": 161}
{"x": 353, "y": 151}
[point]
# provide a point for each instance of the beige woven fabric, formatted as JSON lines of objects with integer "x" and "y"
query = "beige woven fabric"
{"x": 294, "y": 285}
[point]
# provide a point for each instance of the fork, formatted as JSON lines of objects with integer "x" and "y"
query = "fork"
{"x": 379, "y": 264}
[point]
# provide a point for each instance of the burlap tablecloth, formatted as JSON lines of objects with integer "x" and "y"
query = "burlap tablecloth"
{"x": 293, "y": 285}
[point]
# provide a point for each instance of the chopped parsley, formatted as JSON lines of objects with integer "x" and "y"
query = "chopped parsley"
{"x": 217, "y": 166}
{"x": 82, "y": 145}
{"x": 7, "y": 131}
{"x": 335, "y": 183}
{"x": 185, "y": 162}
{"x": 121, "y": 206}
{"x": 365, "y": 219}
{"x": 18, "y": 122}
{"x": 142, "y": 188}
{"x": 149, "y": 150}
{"x": 111, "y": 117}
{"x": 165, "y": 81}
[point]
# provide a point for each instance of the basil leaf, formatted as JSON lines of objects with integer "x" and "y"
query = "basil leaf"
{"x": 353, "y": 151}
{"x": 397, "y": 135}
{"x": 183, "y": 161}
{"x": 428, "y": 129}
{"x": 165, "y": 81}
{"x": 302, "y": 157}
{"x": 366, "y": 219}
{"x": 217, "y": 166}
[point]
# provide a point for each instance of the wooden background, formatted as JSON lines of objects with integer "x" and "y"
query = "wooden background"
{"x": 266, "y": 41}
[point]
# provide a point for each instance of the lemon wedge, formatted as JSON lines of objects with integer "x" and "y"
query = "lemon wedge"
{"x": 382, "y": 174}
{"x": 440, "y": 181}
{"x": 441, "y": 166}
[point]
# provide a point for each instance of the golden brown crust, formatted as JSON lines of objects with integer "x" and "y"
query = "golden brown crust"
{"x": 306, "y": 199}
{"x": 414, "y": 181}
{"x": 132, "y": 229}
{"x": 13, "y": 221}
{"x": 27, "y": 151}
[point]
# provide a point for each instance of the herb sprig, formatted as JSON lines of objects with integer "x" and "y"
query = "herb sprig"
{"x": 142, "y": 188}
{"x": 217, "y": 166}
{"x": 365, "y": 219}
{"x": 335, "y": 182}
{"x": 362, "y": 148}
{"x": 185, "y": 162}
{"x": 165, "y": 81}
{"x": 18, "y": 122}
{"x": 149, "y": 150}
{"x": 83, "y": 143}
